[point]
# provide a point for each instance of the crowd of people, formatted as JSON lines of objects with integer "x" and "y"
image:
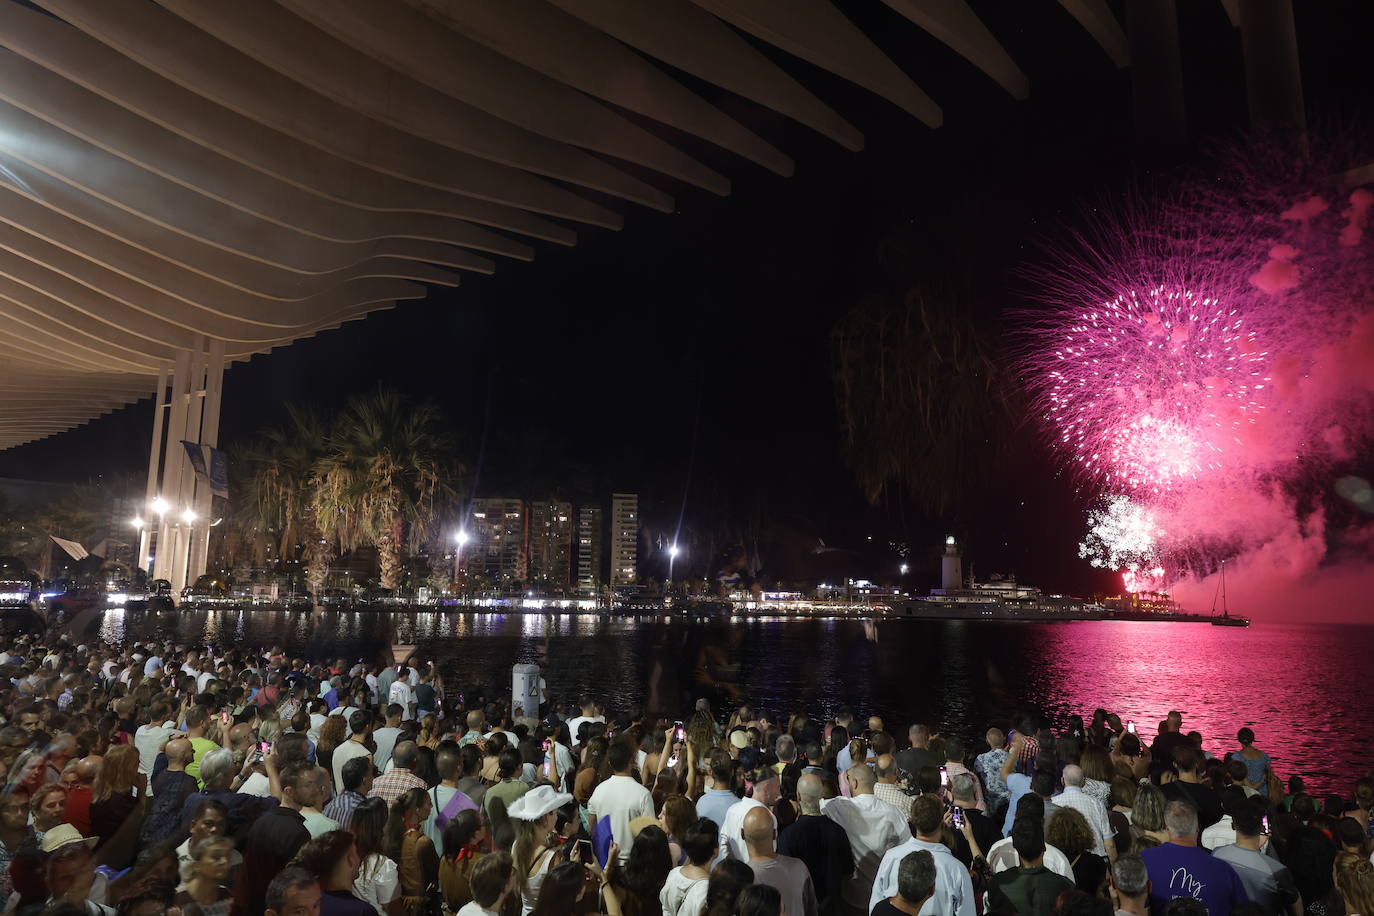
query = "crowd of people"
{"x": 154, "y": 779}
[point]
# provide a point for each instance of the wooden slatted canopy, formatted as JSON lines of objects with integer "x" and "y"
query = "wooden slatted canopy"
{"x": 257, "y": 171}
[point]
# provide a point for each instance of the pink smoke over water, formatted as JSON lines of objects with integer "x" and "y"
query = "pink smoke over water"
{"x": 1209, "y": 367}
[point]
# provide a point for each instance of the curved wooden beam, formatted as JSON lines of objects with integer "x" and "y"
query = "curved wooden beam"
{"x": 955, "y": 24}
{"x": 188, "y": 56}
{"x": 563, "y": 47}
{"x": 682, "y": 34}
{"x": 298, "y": 51}
{"x": 463, "y": 69}
{"x": 102, "y": 71}
{"x": 816, "y": 31}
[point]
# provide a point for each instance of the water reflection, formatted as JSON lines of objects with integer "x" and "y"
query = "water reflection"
{"x": 1289, "y": 683}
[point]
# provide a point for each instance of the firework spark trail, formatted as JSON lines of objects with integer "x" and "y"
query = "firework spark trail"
{"x": 1150, "y": 389}
{"x": 1205, "y": 368}
{"x": 1124, "y": 536}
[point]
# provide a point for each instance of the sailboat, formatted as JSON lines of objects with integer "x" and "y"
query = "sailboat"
{"x": 1225, "y": 620}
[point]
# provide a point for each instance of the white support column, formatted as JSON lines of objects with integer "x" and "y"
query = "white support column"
{"x": 174, "y": 457}
{"x": 186, "y": 492}
{"x": 209, "y": 435}
{"x": 145, "y": 512}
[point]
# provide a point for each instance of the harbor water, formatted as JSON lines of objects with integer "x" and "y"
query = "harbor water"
{"x": 1297, "y": 686}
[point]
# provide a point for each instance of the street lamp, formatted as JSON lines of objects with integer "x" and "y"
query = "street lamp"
{"x": 459, "y": 539}
{"x": 137, "y": 523}
{"x": 905, "y": 569}
{"x": 673, "y": 551}
{"x": 160, "y": 506}
{"x": 189, "y": 515}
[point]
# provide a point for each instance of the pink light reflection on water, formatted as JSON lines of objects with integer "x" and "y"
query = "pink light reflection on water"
{"x": 1296, "y": 686}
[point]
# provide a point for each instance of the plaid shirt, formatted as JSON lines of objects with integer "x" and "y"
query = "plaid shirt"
{"x": 395, "y": 784}
{"x": 894, "y": 796}
{"x": 342, "y": 807}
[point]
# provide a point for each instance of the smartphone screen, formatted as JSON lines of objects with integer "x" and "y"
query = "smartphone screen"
{"x": 1130, "y": 727}
{"x": 264, "y": 747}
{"x": 1264, "y": 824}
{"x": 957, "y": 816}
{"x": 681, "y": 733}
{"x": 584, "y": 850}
{"x": 546, "y": 745}
{"x": 944, "y": 776}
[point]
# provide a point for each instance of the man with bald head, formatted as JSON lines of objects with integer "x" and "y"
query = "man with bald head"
{"x": 789, "y": 876}
{"x": 873, "y": 827}
{"x": 820, "y": 843}
{"x": 171, "y": 788}
{"x": 1093, "y": 811}
{"x": 918, "y": 756}
{"x": 78, "y": 811}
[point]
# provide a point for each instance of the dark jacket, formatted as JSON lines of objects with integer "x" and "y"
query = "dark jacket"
{"x": 1029, "y": 891}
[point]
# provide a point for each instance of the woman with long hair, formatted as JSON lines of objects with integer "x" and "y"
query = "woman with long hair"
{"x": 116, "y": 796}
{"x": 589, "y": 773}
{"x": 1147, "y": 818}
{"x": 569, "y": 888}
{"x": 379, "y": 880}
{"x": 413, "y": 852}
{"x": 463, "y": 838}
{"x": 331, "y": 736}
{"x": 1355, "y": 880}
{"x": 332, "y": 857}
{"x": 534, "y": 818}
{"x": 1097, "y": 773}
{"x": 677, "y": 814}
{"x": 722, "y": 890}
{"x": 638, "y": 882}
{"x": 205, "y": 879}
{"x": 759, "y": 900}
{"x": 1309, "y": 855}
{"x": 425, "y": 766}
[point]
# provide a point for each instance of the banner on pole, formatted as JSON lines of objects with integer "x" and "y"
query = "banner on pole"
{"x": 196, "y": 455}
{"x": 219, "y": 472}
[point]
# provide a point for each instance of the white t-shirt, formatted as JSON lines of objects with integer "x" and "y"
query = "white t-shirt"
{"x": 378, "y": 882}
{"x": 148, "y": 739}
{"x": 256, "y": 784}
{"x": 342, "y": 754}
{"x": 675, "y": 890}
{"x": 693, "y": 902}
{"x": 622, "y": 800}
{"x": 316, "y": 723}
{"x": 401, "y": 694}
{"x": 575, "y": 724}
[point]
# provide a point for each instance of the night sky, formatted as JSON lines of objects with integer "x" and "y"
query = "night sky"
{"x": 605, "y": 366}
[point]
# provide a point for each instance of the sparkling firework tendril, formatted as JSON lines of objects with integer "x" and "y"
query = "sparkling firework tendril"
{"x": 1124, "y": 536}
{"x": 1148, "y": 390}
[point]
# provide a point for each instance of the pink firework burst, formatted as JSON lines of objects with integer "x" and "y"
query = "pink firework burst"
{"x": 1151, "y": 388}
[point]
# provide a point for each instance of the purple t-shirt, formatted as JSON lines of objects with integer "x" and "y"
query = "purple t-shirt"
{"x": 1188, "y": 871}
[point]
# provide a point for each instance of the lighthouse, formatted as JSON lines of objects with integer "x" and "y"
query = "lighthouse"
{"x": 951, "y": 567}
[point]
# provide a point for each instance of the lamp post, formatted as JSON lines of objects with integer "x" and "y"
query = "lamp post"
{"x": 673, "y": 551}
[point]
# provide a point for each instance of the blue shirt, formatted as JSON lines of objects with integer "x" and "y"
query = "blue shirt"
{"x": 714, "y": 803}
{"x": 1187, "y": 871}
{"x": 1018, "y": 784}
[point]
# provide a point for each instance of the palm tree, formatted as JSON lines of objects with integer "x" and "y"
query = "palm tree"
{"x": 277, "y": 507}
{"x": 923, "y": 394}
{"x": 387, "y": 472}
